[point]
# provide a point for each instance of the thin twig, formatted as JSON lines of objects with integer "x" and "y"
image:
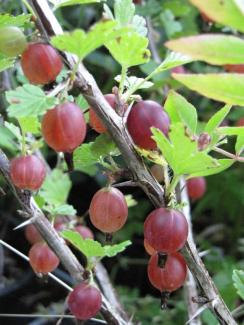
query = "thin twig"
{"x": 26, "y": 258}
{"x": 98, "y": 321}
{"x": 228, "y": 154}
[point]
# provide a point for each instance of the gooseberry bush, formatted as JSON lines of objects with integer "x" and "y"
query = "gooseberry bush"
{"x": 147, "y": 131}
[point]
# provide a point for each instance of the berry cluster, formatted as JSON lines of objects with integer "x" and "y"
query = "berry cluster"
{"x": 64, "y": 129}
{"x": 165, "y": 232}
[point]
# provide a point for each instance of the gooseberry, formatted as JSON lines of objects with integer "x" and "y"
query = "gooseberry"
{"x": 143, "y": 116}
{"x": 95, "y": 121}
{"x": 149, "y": 248}
{"x": 84, "y": 231}
{"x": 171, "y": 276}
{"x": 27, "y": 172}
{"x": 84, "y": 301}
{"x": 32, "y": 234}
{"x": 196, "y": 187}
{"x": 12, "y": 41}
{"x": 64, "y": 127}
{"x": 108, "y": 210}
{"x": 41, "y": 63}
{"x": 42, "y": 258}
{"x": 166, "y": 230}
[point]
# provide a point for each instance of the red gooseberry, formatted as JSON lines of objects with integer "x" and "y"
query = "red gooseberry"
{"x": 41, "y": 63}
{"x": 95, "y": 121}
{"x": 64, "y": 127}
{"x": 148, "y": 248}
{"x": 42, "y": 258}
{"x": 108, "y": 210}
{"x": 166, "y": 230}
{"x": 143, "y": 116}
{"x": 196, "y": 187}
{"x": 32, "y": 234}
{"x": 84, "y": 301}
{"x": 27, "y": 172}
{"x": 84, "y": 231}
{"x": 171, "y": 276}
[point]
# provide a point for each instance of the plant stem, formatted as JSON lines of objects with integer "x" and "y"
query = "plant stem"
{"x": 122, "y": 80}
{"x": 171, "y": 188}
{"x": 228, "y": 154}
{"x": 23, "y": 144}
{"x": 29, "y": 8}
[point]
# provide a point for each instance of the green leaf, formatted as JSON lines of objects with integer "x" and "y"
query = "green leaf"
{"x": 124, "y": 11}
{"x": 239, "y": 146}
{"x": 7, "y": 139}
{"x": 170, "y": 24}
{"x": 15, "y": 130}
{"x": 104, "y": 146}
{"x": 224, "y": 87}
{"x": 134, "y": 82}
{"x": 64, "y": 209}
{"x": 92, "y": 248}
{"x": 82, "y": 103}
{"x": 217, "y": 119}
{"x": 30, "y": 124}
{"x": 214, "y": 49}
{"x": 65, "y": 3}
{"x": 179, "y": 109}
{"x": 182, "y": 152}
{"x": 173, "y": 60}
{"x": 140, "y": 25}
{"x": 129, "y": 49}
{"x": 130, "y": 201}
{"x": 238, "y": 281}
{"x": 6, "y": 63}
{"x": 231, "y": 130}
{"x": 28, "y": 100}
{"x": 223, "y": 165}
{"x": 56, "y": 187}
{"x": 225, "y": 12}
{"x": 83, "y": 156}
{"x": 18, "y": 21}
{"x": 80, "y": 43}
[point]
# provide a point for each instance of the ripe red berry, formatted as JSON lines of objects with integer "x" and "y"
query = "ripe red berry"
{"x": 235, "y": 68}
{"x": 27, "y": 172}
{"x": 108, "y": 210}
{"x": 84, "y": 301}
{"x": 41, "y": 63}
{"x": 95, "y": 121}
{"x": 12, "y": 41}
{"x": 142, "y": 117}
{"x": 148, "y": 248}
{"x": 32, "y": 234}
{"x": 85, "y": 232}
{"x": 179, "y": 69}
{"x": 170, "y": 277}
{"x": 64, "y": 127}
{"x": 42, "y": 258}
{"x": 166, "y": 230}
{"x": 196, "y": 187}
{"x": 240, "y": 122}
